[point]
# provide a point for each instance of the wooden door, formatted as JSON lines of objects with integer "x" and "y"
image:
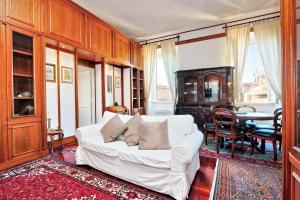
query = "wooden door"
{"x": 24, "y": 13}
{"x": 135, "y": 54}
{"x": 99, "y": 37}
{"x": 121, "y": 49}
{"x": 65, "y": 22}
{"x": 290, "y": 100}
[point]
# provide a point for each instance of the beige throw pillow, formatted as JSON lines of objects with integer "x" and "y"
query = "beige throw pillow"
{"x": 154, "y": 135}
{"x": 112, "y": 129}
{"x": 131, "y": 135}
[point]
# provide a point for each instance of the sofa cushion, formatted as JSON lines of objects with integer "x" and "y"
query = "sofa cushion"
{"x": 178, "y": 126}
{"x": 152, "y": 158}
{"x": 154, "y": 135}
{"x": 112, "y": 129}
{"x": 131, "y": 135}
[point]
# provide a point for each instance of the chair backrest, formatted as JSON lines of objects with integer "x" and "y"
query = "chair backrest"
{"x": 245, "y": 107}
{"x": 224, "y": 118}
{"x": 278, "y": 121}
{"x": 277, "y": 110}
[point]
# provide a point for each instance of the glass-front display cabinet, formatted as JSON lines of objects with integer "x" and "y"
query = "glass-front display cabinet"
{"x": 23, "y": 75}
{"x": 190, "y": 89}
{"x": 212, "y": 89}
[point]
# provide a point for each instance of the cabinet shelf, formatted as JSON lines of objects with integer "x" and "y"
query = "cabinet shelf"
{"x": 23, "y": 75}
{"x": 23, "y": 98}
{"x": 22, "y": 52}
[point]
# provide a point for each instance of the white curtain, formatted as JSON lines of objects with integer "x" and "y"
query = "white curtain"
{"x": 150, "y": 63}
{"x": 237, "y": 48}
{"x": 268, "y": 37}
{"x": 169, "y": 56}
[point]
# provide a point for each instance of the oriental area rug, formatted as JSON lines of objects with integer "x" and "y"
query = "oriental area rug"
{"x": 245, "y": 181}
{"x": 266, "y": 158}
{"x": 52, "y": 179}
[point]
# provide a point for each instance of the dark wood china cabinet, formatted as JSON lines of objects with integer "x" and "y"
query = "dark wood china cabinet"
{"x": 203, "y": 88}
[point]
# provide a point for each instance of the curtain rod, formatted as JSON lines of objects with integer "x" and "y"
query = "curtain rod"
{"x": 212, "y": 26}
{"x": 146, "y": 42}
{"x": 250, "y": 22}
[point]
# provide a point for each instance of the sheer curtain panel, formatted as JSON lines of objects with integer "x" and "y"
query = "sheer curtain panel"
{"x": 268, "y": 37}
{"x": 169, "y": 56}
{"x": 237, "y": 48}
{"x": 150, "y": 62}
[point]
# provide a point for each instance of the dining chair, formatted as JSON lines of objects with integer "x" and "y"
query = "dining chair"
{"x": 208, "y": 127}
{"x": 269, "y": 134}
{"x": 272, "y": 126}
{"x": 226, "y": 128}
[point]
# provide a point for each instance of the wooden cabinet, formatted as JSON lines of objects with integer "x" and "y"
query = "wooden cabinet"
{"x": 99, "y": 37}
{"x": 203, "y": 88}
{"x": 65, "y": 21}
{"x": 24, "y": 13}
{"x": 136, "y": 55}
{"x": 21, "y": 137}
{"x": 121, "y": 49}
{"x": 138, "y": 97}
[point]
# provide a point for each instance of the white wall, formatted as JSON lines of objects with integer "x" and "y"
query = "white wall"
{"x": 126, "y": 86}
{"x": 51, "y": 90}
{"x": 208, "y": 53}
{"x": 98, "y": 93}
{"x": 67, "y": 97}
{"x": 118, "y": 91}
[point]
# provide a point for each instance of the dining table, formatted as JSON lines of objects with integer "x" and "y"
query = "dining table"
{"x": 260, "y": 116}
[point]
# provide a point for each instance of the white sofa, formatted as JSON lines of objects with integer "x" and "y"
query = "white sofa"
{"x": 166, "y": 171}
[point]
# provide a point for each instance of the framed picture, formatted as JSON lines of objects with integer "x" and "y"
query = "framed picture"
{"x": 109, "y": 83}
{"x": 66, "y": 75}
{"x": 50, "y": 72}
{"x": 118, "y": 82}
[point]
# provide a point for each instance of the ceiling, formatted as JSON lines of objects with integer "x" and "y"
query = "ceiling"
{"x": 142, "y": 19}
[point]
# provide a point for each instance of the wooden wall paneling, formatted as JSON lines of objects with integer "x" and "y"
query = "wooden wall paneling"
{"x": 121, "y": 50}
{"x": 23, "y": 139}
{"x": 103, "y": 86}
{"x": 76, "y": 89}
{"x": 289, "y": 94}
{"x": 99, "y": 37}
{"x": 24, "y": 13}
{"x": 43, "y": 95}
{"x": 65, "y": 22}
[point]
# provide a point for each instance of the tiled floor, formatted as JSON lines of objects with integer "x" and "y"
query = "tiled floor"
{"x": 200, "y": 189}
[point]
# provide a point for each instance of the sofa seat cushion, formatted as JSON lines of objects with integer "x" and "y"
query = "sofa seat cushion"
{"x": 96, "y": 144}
{"x": 153, "y": 158}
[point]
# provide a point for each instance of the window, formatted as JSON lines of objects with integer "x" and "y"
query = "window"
{"x": 163, "y": 92}
{"x": 255, "y": 86}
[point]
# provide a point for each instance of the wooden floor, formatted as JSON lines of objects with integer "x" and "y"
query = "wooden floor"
{"x": 200, "y": 189}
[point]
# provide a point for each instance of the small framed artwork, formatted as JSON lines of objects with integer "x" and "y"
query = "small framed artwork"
{"x": 66, "y": 75}
{"x": 50, "y": 72}
{"x": 118, "y": 82}
{"x": 109, "y": 83}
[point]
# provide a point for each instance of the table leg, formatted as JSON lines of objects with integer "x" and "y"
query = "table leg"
{"x": 263, "y": 146}
{"x": 52, "y": 142}
{"x": 61, "y": 137}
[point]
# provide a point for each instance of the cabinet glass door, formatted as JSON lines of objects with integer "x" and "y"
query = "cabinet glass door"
{"x": 190, "y": 89}
{"x": 212, "y": 87}
{"x": 23, "y": 75}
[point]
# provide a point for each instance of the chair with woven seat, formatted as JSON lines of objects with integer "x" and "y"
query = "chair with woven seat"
{"x": 269, "y": 134}
{"x": 226, "y": 128}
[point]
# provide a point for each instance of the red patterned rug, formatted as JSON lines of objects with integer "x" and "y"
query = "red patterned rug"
{"x": 51, "y": 179}
{"x": 244, "y": 181}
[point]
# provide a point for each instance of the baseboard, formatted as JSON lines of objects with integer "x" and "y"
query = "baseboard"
{"x": 71, "y": 140}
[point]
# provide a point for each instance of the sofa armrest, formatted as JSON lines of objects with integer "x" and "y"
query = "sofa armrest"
{"x": 183, "y": 153}
{"x": 87, "y": 131}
